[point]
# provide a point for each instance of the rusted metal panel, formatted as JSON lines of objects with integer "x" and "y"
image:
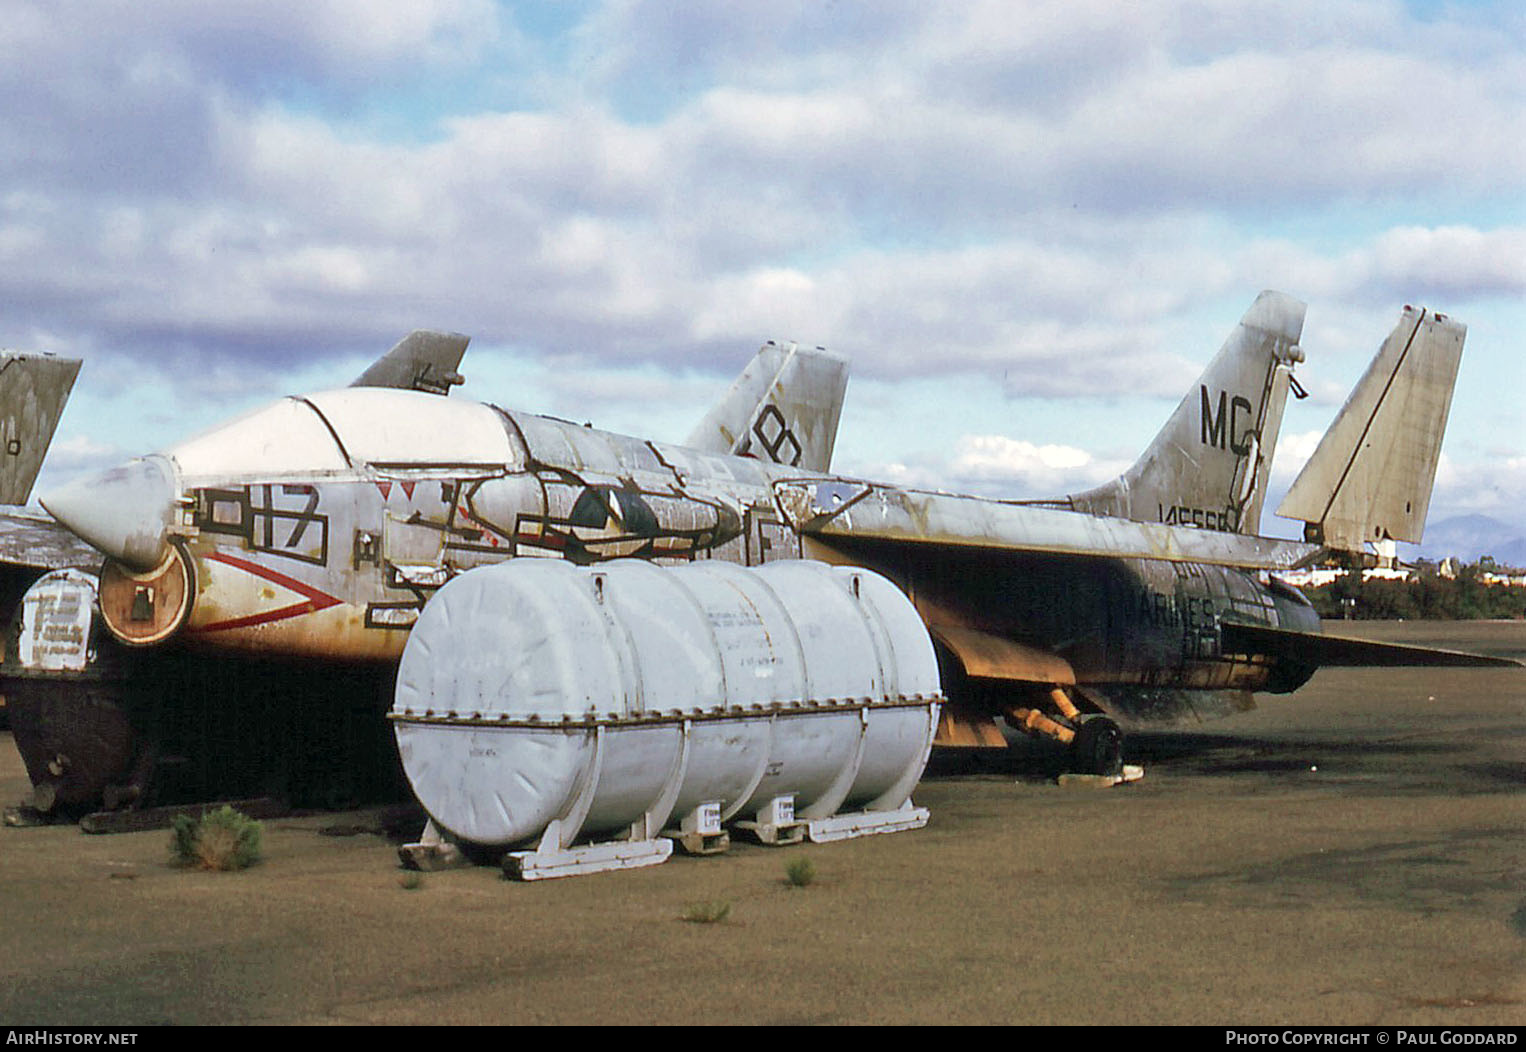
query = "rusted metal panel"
{"x": 988, "y": 656}
{"x": 145, "y": 608}
{"x": 962, "y": 727}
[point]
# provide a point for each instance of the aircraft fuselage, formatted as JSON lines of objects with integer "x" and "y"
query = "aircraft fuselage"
{"x": 321, "y": 526}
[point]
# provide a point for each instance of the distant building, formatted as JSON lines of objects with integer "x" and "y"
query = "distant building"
{"x": 1312, "y": 577}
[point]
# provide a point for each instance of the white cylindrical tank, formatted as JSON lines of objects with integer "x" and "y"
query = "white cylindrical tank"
{"x": 614, "y": 698}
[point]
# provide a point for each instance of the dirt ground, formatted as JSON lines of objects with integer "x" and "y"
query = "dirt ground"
{"x": 1351, "y": 854}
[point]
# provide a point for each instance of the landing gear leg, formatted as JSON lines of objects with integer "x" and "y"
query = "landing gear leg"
{"x": 1095, "y": 742}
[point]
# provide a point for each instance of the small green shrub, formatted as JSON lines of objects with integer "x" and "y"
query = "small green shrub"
{"x": 183, "y": 839}
{"x": 411, "y": 880}
{"x": 707, "y": 912}
{"x": 800, "y": 872}
{"x": 221, "y": 840}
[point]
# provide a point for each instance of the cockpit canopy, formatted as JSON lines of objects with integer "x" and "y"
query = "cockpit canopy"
{"x": 337, "y": 431}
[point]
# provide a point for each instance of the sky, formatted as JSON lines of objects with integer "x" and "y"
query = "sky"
{"x": 1028, "y": 224}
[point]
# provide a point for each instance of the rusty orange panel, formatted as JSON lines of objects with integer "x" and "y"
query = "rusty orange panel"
{"x": 959, "y": 727}
{"x": 987, "y": 656}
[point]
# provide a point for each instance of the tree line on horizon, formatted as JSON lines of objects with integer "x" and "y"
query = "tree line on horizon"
{"x": 1426, "y": 595}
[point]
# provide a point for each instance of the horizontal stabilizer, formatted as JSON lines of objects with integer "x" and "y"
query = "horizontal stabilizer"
{"x": 1370, "y": 479}
{"x": 421, "y": 361}
{"x": 33, "y": 390}
{"x": 784, "y": 408}
{"x": 1315, "y": 648}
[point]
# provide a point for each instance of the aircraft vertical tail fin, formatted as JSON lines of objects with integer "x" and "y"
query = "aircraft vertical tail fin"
{"x": 1208, "y": 466}
{"x": 421, "y": 361}
{"x": 784, "y": 407}
{"x": 33, "y": 390}
{"x": 1370, "y": 478}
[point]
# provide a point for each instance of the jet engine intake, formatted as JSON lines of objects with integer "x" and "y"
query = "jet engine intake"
{"x": 141, "y": 609}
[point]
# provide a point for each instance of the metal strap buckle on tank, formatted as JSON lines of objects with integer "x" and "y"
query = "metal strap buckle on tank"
{"x": 672, "y": 716}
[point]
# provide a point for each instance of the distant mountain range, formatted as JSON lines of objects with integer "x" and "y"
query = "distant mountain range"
{"x": 1468, "y": 537}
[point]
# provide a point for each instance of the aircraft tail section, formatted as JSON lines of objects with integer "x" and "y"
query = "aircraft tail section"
{"x": 784, "y": 407}
{"x": 421, "y": 361}
{"x": 1208, "y": 466}
{"x": 1370, "y": 479}
{"x": 33, "y": 390}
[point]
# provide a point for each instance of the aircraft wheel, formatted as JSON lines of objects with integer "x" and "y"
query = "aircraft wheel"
{"x": 1098, "y": 747}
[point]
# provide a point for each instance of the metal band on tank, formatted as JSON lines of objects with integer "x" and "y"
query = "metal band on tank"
{"x": 648, "y": 719}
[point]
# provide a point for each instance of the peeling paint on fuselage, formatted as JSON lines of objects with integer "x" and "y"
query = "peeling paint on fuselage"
{"x": 337, "y": 565}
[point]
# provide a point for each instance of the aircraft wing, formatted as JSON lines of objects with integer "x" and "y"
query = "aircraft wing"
{"x": 1316, "y": 648}
{"x": 837, "y": 509}
{"x": 37, "y": 542}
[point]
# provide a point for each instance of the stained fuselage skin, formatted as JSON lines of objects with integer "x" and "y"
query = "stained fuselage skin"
{"x": 320, "y": 527}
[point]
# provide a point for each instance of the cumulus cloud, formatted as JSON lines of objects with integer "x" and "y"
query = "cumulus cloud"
{"x": 996, "y": 465}
{"x": 1047, "y": 468}
{"x": 1495, "y": 487}
{"x": 1293, "y": 452}
{"x": 1060, "y": 199}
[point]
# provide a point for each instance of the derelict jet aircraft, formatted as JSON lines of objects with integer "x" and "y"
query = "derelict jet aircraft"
{"x": 319, "y": 526}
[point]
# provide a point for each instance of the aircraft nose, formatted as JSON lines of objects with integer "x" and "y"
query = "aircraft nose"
{"x": 124, "y": 512}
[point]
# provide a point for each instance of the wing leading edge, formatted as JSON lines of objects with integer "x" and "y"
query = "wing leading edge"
{"x": 843, "y": 509}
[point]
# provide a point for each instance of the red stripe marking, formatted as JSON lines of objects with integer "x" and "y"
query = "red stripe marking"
{"x": 487, "y": 531}
{"x": 408, "y": 488}
{"x": 315, "y": 600}
{"x": 386, "y": 489}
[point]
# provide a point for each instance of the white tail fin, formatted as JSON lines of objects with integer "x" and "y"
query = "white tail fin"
{"x": 1209, "y": 464}
{"x": 33, "y": 390}
{"x": 784, "y": 407}
{"x": 1370, "y": 479}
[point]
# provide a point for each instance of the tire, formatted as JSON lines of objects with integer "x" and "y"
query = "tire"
{"x": 1098, "y": 747}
